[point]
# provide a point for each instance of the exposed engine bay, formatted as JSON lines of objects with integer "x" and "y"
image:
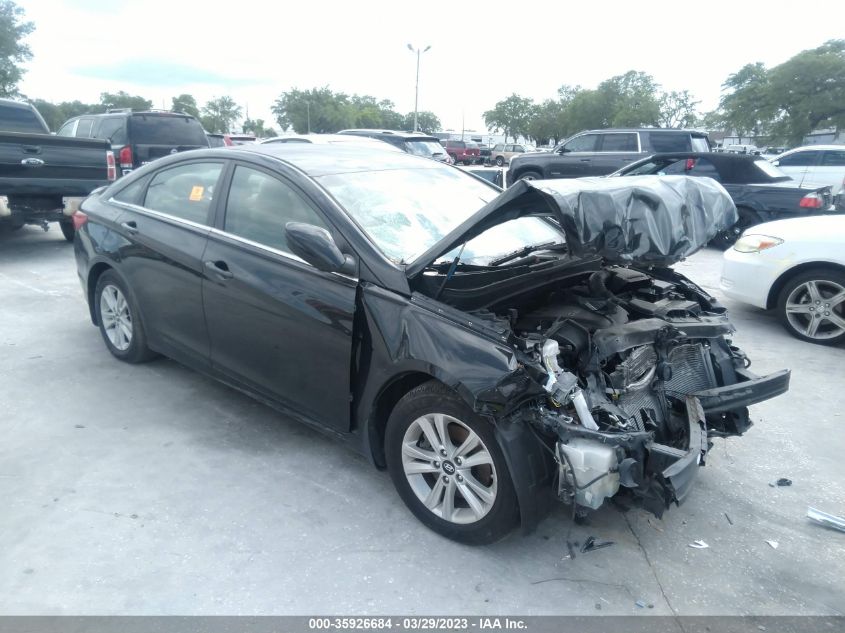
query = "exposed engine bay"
{"x": 626, "y": 373}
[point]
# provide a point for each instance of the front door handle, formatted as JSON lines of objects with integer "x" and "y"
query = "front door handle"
{"x": 586, "y": 160}
{"x": 130, "y": 226}
{"x": 219, "y": 268}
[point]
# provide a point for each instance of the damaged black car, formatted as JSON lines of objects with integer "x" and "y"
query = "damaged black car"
{"x": 493, "y": 351}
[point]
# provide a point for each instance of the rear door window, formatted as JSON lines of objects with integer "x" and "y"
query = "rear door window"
{"x": 185, "y": 191}
{"x": 833, "y": 159}
{"x": 169, "y": 130}
{"x": 619, "y": 142}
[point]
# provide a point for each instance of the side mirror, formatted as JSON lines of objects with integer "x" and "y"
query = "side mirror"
{"x": 562, "y": 150}
{"x": 316, "y": 246}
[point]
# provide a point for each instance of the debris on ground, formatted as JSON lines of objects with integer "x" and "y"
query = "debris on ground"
{"x": 774, "y": 544}
{"x": 825, "y": 519}
{"x": 699, "y": 545}
{"x": 783, "y": 481}
{"x": 570, "y": 546}
{"x": 728, "y": 518}
{"x": 592, "y": 544}
{"x": 654, "y": 525}
{"x": 640, "y": 604}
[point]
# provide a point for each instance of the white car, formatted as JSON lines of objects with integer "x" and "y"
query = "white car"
{"x": 796, "y": 267}
{"x": 326, "y": 139}
{"x": 818, "y": 164}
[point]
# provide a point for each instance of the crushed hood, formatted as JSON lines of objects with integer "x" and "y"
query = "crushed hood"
{"x": 651, "y": 220}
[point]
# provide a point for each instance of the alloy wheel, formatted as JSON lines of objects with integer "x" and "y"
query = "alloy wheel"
{"x": 816, "y": 309}
{"x": 449, "y": 468}
{"x": 116, "y": 318}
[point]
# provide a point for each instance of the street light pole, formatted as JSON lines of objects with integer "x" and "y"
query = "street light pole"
{"x": 417, "y": 93}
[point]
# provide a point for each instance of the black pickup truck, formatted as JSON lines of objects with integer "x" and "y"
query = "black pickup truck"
{"x": 44, "y": 177}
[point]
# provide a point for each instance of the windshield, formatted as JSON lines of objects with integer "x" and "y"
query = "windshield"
{"x": 770, "y": 170}
{"x": 505, "y": 238}
{"x": 167, "y": 130}
{"x": 424, "y": 148}
{"x": 406, "y": 211}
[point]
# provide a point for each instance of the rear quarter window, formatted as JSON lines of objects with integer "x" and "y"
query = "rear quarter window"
{"x": 670, "y": 142}
{"x": 166, "y": 130}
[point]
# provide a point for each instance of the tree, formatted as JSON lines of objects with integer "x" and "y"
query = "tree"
{"x": 256, "y": 126}
{"x": 629, "y": 100}
{"x": 745, "y": 109}
{"x": 12, "y": 51}
{"x": 427, "y": 122}
{"x": 316, "y": 110}
{"x": 677, "y": 109}
{"x": 122, "y": 99}
{"x": 55, "y": 114}
{"x": 187, "y": 104}
{"x": 546, "y": 122}
{"x": 511, "y": 116}
{"x": 807, "y": 92}
{"x": 219, "y": 115}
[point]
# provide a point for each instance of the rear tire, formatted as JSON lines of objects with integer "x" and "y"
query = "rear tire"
{"x": 811, "y": 306}
{"x": 728, "y": 237}
{"x": 67, "y": 229}
{"x": 119, "y": 320}
{"x": 500, "y": 161}
{"x": 448, "y": 468}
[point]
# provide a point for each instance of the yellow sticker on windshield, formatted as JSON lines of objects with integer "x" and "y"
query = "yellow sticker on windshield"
{"x": 196, "y": 194}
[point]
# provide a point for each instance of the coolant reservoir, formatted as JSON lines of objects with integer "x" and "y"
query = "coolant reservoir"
{"x": 590, "y": 459}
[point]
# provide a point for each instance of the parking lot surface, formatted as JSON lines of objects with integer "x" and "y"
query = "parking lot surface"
{"x": 151, "y": 489}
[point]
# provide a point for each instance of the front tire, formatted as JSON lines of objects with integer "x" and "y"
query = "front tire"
{"x": 500, "y": 161}
{"x": 119, "y": 321}
{"x": 530, "y": 175}
{"x": 67, "y": 229}
{"x": 448, "y": 468}
{"x": 811, "y": 307}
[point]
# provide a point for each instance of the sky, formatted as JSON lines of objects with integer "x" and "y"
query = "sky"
{"x": 481, "y": 52}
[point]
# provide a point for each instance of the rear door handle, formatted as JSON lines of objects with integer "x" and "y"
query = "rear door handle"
{"x": 130, "y": 226}
{"x": 219, "y": 268}
{"x": 586, "y": 160}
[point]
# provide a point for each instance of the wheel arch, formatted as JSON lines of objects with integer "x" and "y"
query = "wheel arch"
{"x": 780, "y": 282}
{"x": 94, "y": 275}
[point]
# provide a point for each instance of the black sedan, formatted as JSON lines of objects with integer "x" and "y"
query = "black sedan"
{"x": 491, "y": 350}
{"x": 760, "y": 190}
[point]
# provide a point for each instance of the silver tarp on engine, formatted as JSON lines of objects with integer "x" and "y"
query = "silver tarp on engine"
{"x": 640, "y": 219}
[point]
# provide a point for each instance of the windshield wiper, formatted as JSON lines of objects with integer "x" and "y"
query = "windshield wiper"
{"x": 522, "y": 252}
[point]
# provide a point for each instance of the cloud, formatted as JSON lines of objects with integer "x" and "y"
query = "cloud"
{"x": 159, "y": 73}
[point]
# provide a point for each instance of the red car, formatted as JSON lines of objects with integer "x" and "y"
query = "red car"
{"x": 463, "y": 152}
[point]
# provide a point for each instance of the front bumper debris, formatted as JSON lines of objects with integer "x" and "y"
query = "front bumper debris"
{"x": 750, "y": 389}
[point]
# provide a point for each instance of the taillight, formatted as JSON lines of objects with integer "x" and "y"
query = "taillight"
{"x": 811, "y": 201}
{"x": 111, "y": 170}
{"x": 690, "y": 164}
{"x": 79, "y": 219}
{"x": 126, "y": 158}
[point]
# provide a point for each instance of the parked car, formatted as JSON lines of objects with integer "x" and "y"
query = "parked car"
{"x": 760, "y": 190}
{"x": 502, "y": 153}
{"x": 331, "y": 139}
{"x": 43, "y": 178}
{"x": 742, "y": 149}
{"x": 484, "y": 152}
{"x": 455, "y": 334}
{"x": 495, "y": 175}
{"x": 823, "y": 164}
{"x": 797, "y": 268}
{"x": 139, "y": 137}
{"x": 601, "y": 152}
{"x": 462, "y": 152}
{"x": 415, "y": 143}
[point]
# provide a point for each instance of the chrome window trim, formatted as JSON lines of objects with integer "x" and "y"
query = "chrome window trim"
{"x": 159, "y": 214}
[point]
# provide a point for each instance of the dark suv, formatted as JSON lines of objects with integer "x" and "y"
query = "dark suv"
{"x": 139, "y": 137}
{"x": 415, "y": 143}
{"x": 601, "y": 152}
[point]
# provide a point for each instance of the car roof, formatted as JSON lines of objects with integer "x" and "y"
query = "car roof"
{"x": 645, "y": 129}
{"x": 804, "y": 148}
{"x": 321, "y": 139}
{"x": 336, "y": 158}
{"x": 398, "y": 133}
{"x": 12, "y": 103}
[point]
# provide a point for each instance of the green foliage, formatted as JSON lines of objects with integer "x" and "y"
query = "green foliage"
{"x": 787, "y": 102}
{"x": 256, "y": 126}
{"x": 55, "y": 114}
{"x": 511, "y": 116}
{"x": 186, "y": 104}
{"x": 427, "y": 122}
{"x": 677, "y": 109}
{"x": 121, "y": 99}
{"x": 13, "y": 51}
{"x": 322, "y": 111}
{"x": 219, "y": 115}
